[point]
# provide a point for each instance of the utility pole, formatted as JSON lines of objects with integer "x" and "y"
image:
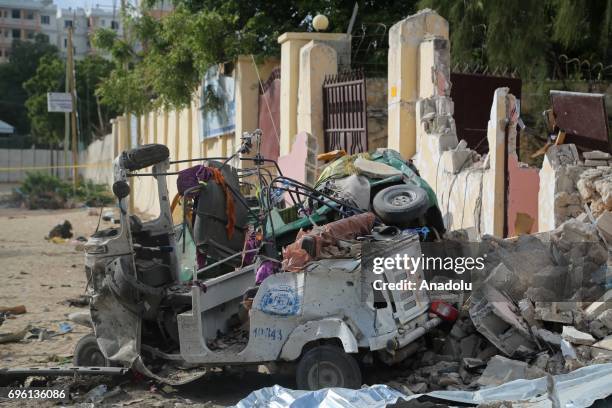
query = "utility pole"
{"x": 70, "y": 68}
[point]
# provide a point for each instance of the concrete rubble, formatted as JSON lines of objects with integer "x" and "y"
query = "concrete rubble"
{"x": 541, "y": 307}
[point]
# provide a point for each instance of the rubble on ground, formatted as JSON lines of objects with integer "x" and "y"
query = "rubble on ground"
{"x": 542, "y": 306}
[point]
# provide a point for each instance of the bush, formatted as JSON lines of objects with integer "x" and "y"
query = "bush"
{"x": 43, "y": 190}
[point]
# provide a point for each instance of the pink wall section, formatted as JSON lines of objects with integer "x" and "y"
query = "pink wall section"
{"x": 523, "y": 189}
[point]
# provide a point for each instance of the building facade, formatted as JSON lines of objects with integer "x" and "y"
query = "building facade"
{"x": 24, "y": 19}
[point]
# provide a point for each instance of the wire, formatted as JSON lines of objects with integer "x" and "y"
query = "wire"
{"x": 265, "y": 99}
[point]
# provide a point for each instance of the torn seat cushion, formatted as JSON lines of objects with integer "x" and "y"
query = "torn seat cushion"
{"x": 210, "y": 226}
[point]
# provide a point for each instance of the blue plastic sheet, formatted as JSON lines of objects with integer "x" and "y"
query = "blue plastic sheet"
{"x": 580, "y": 388}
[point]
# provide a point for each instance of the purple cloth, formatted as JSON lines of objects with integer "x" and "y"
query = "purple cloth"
{"x": 251, "y": 243}
{"x": 265, "y": 269}
{"x": 191, "y": 177}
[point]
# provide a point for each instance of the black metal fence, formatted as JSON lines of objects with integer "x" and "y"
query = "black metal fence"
{"x": 344, "y": 112}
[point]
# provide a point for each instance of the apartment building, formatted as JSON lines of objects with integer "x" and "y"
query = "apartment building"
{"x": 23, "y": 19}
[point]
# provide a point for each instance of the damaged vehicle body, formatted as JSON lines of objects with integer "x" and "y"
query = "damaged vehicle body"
{"x": 250, "y": 298}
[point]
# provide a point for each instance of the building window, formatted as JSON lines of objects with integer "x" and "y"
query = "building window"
{"x": 30, "y": 35}
{"x": 15, "y": 13}
{"x": 88, "y": 44}
{"x": 45, "y": 20}
{"x": 44, "y": 38}
{"x": 29, "y": 15}
{"x": 114, "y": 25}
{"x": 88, "y": 22}
{"x": 16, "y": 33}
{"x": 65, "y": 43}
{"x": 67, "y": 23}
{"x": 103, "y": 22}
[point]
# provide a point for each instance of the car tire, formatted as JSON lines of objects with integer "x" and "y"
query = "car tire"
{"x": 144, "y": 156}
{"x": 327, "y": 366}
{"x": 400, "y": 204}
{"x": 87, "y": 353}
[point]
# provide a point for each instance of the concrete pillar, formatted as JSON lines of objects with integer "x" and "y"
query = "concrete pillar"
{"x": 493, "y": 195}
{"x": 405, "y": 66}
{"x": 316, "y": 61}
{"x": 291, "y": 43}
{"x": 247, "y": 77}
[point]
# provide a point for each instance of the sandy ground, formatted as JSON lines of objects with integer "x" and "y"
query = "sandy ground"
{"x": 41, "y": 275}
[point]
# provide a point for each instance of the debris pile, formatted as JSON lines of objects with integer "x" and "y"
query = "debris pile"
{"x": 542, "y": 306}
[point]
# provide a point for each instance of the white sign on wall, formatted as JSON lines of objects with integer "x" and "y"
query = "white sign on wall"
{"x": 59, "y": 102}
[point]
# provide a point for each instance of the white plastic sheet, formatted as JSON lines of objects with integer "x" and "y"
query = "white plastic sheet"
{"x": 580, "y": 388}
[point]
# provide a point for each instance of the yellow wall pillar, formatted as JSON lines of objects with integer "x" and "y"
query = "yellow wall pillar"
{"x": 405, "y": 38}
{"x": 316, "y": 61}
{"x": 493, "y": 188}
{"x": 291, "y": 43}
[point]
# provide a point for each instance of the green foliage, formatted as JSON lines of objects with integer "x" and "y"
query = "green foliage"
{"x": 43, "y": 190}
{"x": 527, "y": 35}
{"x": 22, "y": 65}
{"x": 48, "y": 127}
{"x": 94, "y": 115}
{"x": 177, "y": 50}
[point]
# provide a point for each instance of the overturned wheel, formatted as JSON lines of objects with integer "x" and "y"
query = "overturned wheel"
{"x": 87, "y": 353}
{"x": 327, "y": 366}
{"x": 400, "y": 204}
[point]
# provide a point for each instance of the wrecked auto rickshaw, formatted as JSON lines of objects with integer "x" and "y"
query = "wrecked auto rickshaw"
{"x": 150, "y": 304}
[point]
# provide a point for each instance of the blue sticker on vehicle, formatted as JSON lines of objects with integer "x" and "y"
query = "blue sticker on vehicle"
{"x": 281, "y": 300}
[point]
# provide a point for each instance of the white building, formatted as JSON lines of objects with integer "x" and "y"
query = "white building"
{"x": 23, "y": 19}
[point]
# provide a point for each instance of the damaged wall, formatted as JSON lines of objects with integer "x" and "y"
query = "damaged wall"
{"x": 569, "y": 183}
{"x": 470, "y": 190}
{"x": 376, "y": 94}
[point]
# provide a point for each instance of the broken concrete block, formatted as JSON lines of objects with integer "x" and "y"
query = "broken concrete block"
{"x": 548, "y": 336}
{"x": 552, "y": 312}
{"x": 562, "y": 155}
{"x": 606, "y": 318}
{"x": 597, "y": 155}
{"x": 497, "y": 318}
{"x": 604, "y": 225}
{"x": 605, "y": 343}
{"x": 418, "y": 388}
{"x": 541, "y": 361}
{"x": 374, "y": 169}
{"x": 470, "y": 362}
{"x": 453, "y": 161}
{"x": 595, "y": 163}
{"x": 501, "y": 370}
{"x": 450, "y": 379}
{"x": 598, "y": 329}
{"x": 596, "y": 308}
{"x": 576, "y": 337}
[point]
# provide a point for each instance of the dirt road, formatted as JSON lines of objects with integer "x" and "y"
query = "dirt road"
{"x": 41, "y": 275}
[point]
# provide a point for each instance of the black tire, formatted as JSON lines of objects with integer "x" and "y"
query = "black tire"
{"x": 144, "y": 156}
{"x": 327, "y": 366}
{"x": 87, "y": 353}
{"x": 400, "y": 204}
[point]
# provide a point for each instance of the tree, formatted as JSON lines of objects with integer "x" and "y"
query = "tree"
{"x": 176, "y": 51}
{"x": 22, "y": 65}
{"x": 94, "y": 116}
{"x": 46, "y": 127}
{"x": 529, "y": 36}
{"x": 49, "y": 127}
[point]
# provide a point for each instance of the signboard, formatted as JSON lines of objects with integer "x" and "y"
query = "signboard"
{"x": 59, "y": 102}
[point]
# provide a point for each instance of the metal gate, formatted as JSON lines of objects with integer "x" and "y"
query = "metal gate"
{"x": 345, "y": 119}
